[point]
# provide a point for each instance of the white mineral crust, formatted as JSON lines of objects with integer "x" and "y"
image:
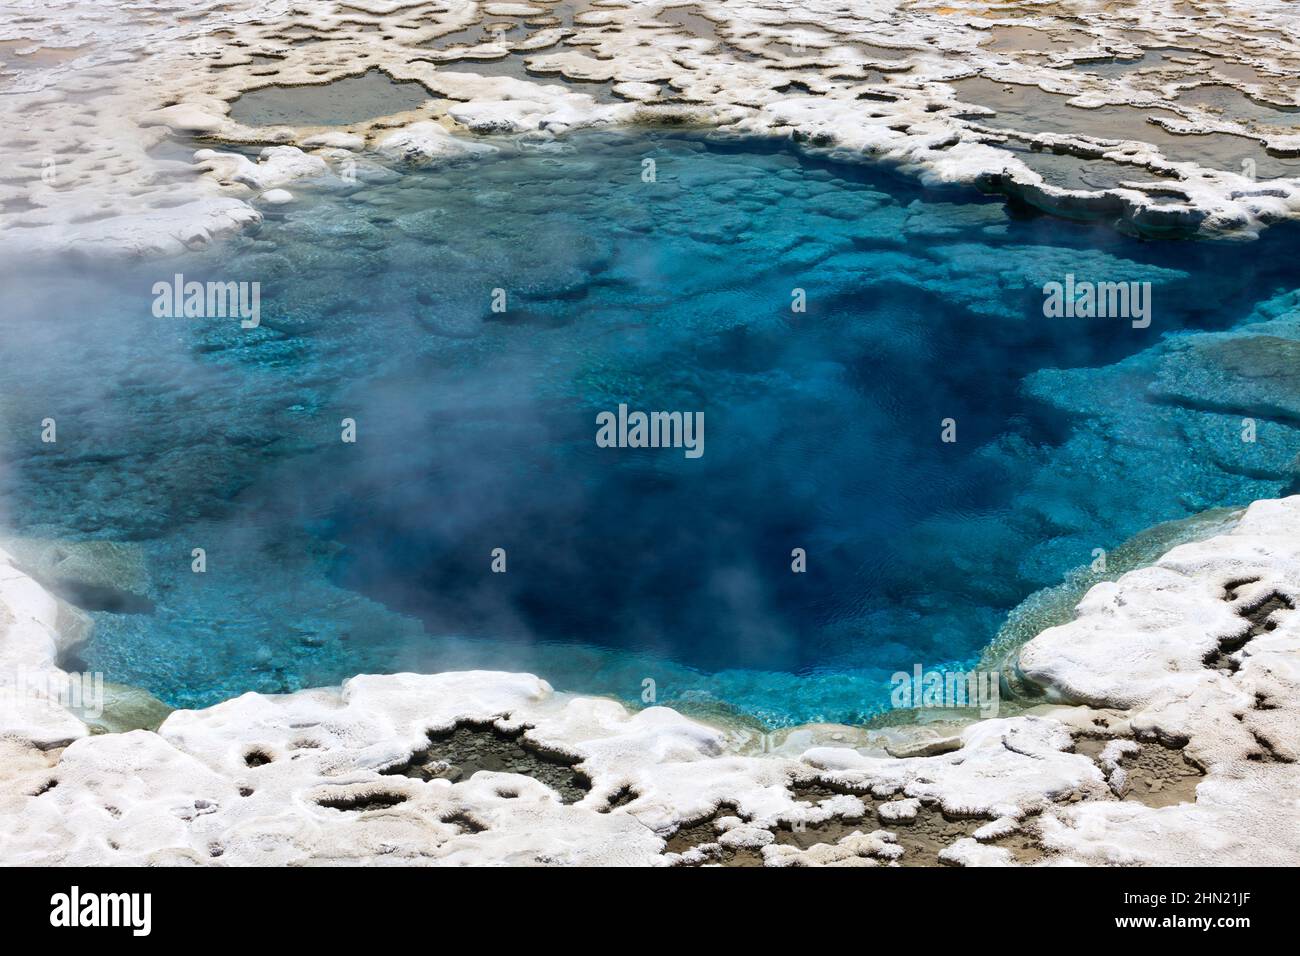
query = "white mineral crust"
{"x": 1144, "y": 660}
{"x": 93, "y": 90}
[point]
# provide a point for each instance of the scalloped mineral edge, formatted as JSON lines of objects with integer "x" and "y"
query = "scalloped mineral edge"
{"x": 1133, "y": 661}
{"x": 81, "y": 172}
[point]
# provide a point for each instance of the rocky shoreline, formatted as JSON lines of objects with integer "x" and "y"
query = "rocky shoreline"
{"x": 1168, "y": 736}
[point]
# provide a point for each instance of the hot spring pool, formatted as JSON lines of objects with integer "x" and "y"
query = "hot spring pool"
{"x": 476, "y": 429}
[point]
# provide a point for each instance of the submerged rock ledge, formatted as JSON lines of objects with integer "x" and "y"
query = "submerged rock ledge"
{"x": 1159, "y": 119}
{"x": 1172, "y": 738}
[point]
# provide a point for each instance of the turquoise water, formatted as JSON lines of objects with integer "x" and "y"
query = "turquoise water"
{"x": 475, "y": 429}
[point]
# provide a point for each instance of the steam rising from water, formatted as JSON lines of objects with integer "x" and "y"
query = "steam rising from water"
{"x": 475, "y": 429}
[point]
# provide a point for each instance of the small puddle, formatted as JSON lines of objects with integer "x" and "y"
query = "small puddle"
{"x": 1030, "y": 38}
{"x": 36, "y": 55}
{"x": 1230, "y": 103}
{"x": 1175, "y": 59}
{"x": 1029, "y": 109}
{"x": 691, "y": 20}
{"x": 1167, "y": 57}
{"x": 1116, "y": 66}
{"x": 352, "y": 99}
{"x": 876, "y": 52}
{"x": 470, "y": 36}
{"x": 1065, "y": 171}
{"x": 1242, "y": 72}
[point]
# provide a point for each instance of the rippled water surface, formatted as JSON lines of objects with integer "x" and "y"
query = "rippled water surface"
{"x": 475, "y": 429}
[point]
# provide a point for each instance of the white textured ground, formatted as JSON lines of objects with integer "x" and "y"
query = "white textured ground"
{"x": 92, "y": 89}
{"x": 1162, "y": 740}
{"x": 1192, "y": 663}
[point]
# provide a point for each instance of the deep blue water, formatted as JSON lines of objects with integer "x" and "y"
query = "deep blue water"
{"x": 476, "y": 429}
